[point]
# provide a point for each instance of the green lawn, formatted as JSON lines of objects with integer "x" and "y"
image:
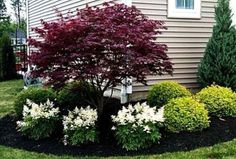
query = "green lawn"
{"x": 8, "y": 91}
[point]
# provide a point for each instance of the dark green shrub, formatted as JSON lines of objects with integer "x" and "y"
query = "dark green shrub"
{"x": 7, "y": 59}
{"x": 35, "y": 94}
{"x": 218, "y": 64}
{"x": 163, "y": 92}
{"x": 75, "y": 94}
{"x": 185, "y": 114}
{"x": 219, "y": 101}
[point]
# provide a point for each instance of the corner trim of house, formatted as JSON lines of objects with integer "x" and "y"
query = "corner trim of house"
{"x": 27, "y": 23}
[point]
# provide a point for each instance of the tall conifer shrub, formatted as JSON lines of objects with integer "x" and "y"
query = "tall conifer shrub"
{"x": 7, "y": 59}
{"x": 219, "y": 62}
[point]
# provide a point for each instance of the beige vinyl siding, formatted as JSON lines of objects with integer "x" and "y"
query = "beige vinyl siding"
{"x": 185, "y": 38}
{"x": 46, "y": 10}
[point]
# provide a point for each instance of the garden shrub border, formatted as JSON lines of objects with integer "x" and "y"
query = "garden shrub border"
{"x": 161, "y": 93}
{"x": 185, "y": 114}
{"x": 35, "y": 94}
{"x": 219, "y": 101}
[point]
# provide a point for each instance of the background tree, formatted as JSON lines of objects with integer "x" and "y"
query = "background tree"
{"x": 12, "y": 25}
{"x": 23, "y": 25}
{"x": 101, "y": 46}
{"x": 3, "y": 8}
{"x": 18, "y": 7}
{"x": 7, "y": 58}
{"x": 4, "y": 19}
{"x": 219, "y": 62}
{"x": 6, "y": 26}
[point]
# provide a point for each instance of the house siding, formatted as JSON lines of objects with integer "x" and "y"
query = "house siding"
{"x": 186, "y": 40}
{"x": 46, "y": 10}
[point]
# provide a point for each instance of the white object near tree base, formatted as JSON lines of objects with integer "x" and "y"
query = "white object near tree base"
{"x": 126, "y": 89}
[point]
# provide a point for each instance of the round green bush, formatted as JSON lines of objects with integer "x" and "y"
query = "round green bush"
{"x": 75, "y": 94}
{"x": 161, "y": 93}
{"x": 35, "y": 94}
{"x": 219, "y": 101}
{"x": 185, "y": 114}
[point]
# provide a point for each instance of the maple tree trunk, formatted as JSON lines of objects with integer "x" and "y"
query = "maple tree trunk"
{"x": 100, "y": 105}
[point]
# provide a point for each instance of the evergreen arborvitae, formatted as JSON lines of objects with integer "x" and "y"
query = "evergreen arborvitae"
{"x": 218, "y": 65}
{"x": 7, "y": 59}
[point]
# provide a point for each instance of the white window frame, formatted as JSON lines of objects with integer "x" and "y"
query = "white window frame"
{"x": 127, "y": 2}
{"x": 174, "y": 12}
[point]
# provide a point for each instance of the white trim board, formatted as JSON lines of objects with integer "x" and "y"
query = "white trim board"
{"x": 127, "y": 2}
{"x": 233, "y": 7}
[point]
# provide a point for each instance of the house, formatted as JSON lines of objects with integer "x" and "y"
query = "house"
{"x": 189, "y": 23}
{"x": 18, "y": 36}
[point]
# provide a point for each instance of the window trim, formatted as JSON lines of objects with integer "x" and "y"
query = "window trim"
{"x": 173, "y": 12}
{"x": 127, "y": 2}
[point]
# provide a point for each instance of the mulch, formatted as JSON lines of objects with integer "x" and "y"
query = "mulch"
{"x": 221, "y": 130}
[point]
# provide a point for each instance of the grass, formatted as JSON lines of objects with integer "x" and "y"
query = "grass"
{"x": 8, "y": 91}
{"x": 221, "y": 151}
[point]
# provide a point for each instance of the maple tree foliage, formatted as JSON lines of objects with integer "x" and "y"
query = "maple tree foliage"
{"x": 102, "y": 46}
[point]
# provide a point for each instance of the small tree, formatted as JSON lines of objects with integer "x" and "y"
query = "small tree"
{"x": 101, "y": 46}
{"x": 7, "y": 58}
{"x": 219, "y": 62}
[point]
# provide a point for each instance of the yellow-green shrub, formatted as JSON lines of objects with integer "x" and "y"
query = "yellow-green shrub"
{"x": 185, "y": 114}
{"x": 161, "y": 93}
{"x": 219, "y": 101}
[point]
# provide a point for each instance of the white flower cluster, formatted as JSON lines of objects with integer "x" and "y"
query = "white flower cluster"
{"x": 37, "y": 111}
{"x": 138, "y": 115}
{"x": 83, "y": 117}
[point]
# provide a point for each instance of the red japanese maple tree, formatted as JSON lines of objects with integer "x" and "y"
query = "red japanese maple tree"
{"x": 101, "y": 46}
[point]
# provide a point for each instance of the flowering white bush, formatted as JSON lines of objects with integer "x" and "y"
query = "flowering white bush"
{"x": 39, "y": 120}
{"x": 80, "y": 126}
{"x": 138, "y": 126}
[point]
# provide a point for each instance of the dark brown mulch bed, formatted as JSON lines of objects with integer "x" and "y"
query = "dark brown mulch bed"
{"x": 220, "y": 131}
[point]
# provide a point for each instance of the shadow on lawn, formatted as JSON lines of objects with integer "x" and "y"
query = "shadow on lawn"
{"x": 220, "y": 131}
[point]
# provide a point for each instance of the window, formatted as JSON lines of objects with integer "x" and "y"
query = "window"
{"x": 184, "y": 8}
{"x": 184, "y": 4}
